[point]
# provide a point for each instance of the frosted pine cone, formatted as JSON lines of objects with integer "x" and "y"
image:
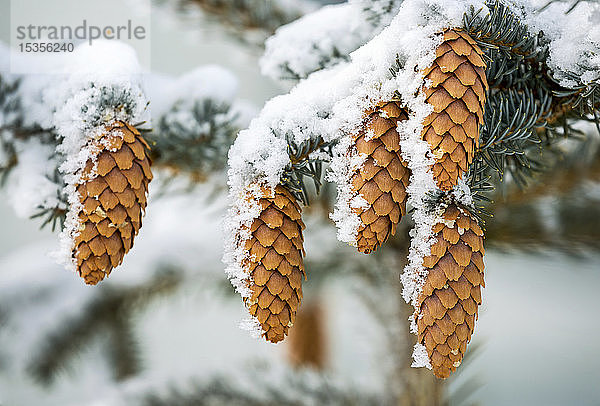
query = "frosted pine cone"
{"x": 276, "y": 266}
{"x": 448, "y": 304}
{"x": 383, "y": 177}
{"x": 112, "y": 192}
{"x": 457, "y": 93}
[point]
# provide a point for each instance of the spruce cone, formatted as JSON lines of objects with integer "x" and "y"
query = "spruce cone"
{"x": 275, "y": 265}
{"x": 113, "y": 201}
{"x": 308, "y": 340}
{"x": 457, "y": 93}
{"x": 383, "y": 177}
{"x": 452, "y": 292}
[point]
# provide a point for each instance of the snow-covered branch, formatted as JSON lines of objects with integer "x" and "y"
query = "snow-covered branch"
{"x": 432, "y": 60}
{"x": 325, "y": 37}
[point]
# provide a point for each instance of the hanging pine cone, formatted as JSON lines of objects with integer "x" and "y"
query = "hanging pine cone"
{"x": 308, "y": 341}
{"x": 275, "y": 265}
{"x": 382, "y": 178}
{"x": 451, "y": 294}
{"x": 113, "y": 195}
{"x": 457, "y": 92}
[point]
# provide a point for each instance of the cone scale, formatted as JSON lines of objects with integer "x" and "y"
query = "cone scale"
{"x": 448, "y": 304}
{"x": 112, "y": 192}
{"x": 383, "y": 177}
{"x": 456, "y": 87}
{"x": 275, "y": 264}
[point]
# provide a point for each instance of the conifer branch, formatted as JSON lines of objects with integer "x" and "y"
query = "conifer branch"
{"x": 55, "y": 214}
{"x": 501, "y": 30}
{"x": 197, "y": 145}
{"x": 249, "y": 14}
{"x": 110, "y": 309}
{"x": 303, "y": 164}
{"x": 295, "y": 390}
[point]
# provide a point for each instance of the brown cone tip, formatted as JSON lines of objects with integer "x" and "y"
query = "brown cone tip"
{"x": 448, "y": 304}
{"x": 275, "y": 265}
{"x": 457, "y": 92}
{"x": 383, "y": 177}
{"x": 113, "y": 201}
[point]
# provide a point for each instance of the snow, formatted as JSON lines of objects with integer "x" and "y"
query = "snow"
{"x": 345, "y": 214}
{"x": 325, "y": 37}
{"x": 420, "y": 357}
{"x": 573, "y": 40}
{"x": 417, "y": 154}
{"x": 462, "y": 193}
{"x": 251, "y": 325}
{"x": 105, "y": 62}
{"x": 315, "y": 41}
{"x": 237, "y": 231}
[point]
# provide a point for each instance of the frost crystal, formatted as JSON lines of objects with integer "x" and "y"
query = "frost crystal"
{"x": 244, "y": 211}
{"x": 252, "y": 325}
{"x": 420, "y": 357}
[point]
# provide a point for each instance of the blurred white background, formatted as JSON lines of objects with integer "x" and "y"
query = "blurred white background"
{"x": 538, "y": 330}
